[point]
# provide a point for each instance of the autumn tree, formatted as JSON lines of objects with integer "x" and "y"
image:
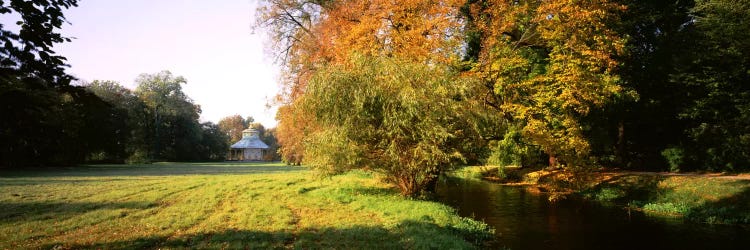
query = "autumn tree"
{"x": 308, "y": 35}
{"x": 232, "y": 127}
{"x": 550, "y": 63}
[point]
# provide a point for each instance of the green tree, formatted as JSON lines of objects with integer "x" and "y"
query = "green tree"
{"x": 128, "y": 116}
{"x": 44, "y": 120}
{"x": 717, "y": 77}
{"x": 29, "y": 53}
{"x": 387, "y": 115}
{"x": 174, "y": 131}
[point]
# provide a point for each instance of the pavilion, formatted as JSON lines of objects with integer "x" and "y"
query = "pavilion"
{"x": 249, "y": 148}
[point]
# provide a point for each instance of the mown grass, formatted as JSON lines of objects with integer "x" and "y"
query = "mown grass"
{"x": 218, "y": 205}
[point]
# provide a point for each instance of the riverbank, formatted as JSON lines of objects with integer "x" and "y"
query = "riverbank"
{"x": 219, "y": 205}
{"x": 704, "y": 198}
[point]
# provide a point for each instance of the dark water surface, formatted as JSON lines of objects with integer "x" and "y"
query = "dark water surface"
{"x": 526, "y": 220}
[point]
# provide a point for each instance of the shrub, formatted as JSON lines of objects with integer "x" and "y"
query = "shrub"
{"x": 675, "y": 158}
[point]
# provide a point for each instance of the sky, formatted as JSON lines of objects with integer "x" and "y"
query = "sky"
{"x": 210, "y": 43}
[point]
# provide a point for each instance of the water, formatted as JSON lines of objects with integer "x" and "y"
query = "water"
{"x": 527, "y": 220}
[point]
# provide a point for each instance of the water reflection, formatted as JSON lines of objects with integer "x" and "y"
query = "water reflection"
{"x": 526, "y": 220}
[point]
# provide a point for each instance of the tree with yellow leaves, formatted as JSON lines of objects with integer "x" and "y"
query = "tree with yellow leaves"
{"x": 550, "y": 63}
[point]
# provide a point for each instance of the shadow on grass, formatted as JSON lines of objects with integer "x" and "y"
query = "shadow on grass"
{"x": 625, "y": 189}
{"x": 156, "y": 169}
{"x": 690, "y": 198}
{"x": 409, "y": 234}
{"x": 38, "y": 211}
{"x": 734, "y": 209}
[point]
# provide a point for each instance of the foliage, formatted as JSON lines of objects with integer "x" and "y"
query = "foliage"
{"x": 219, "y": 205}
{"x": 157, "y": 121}
{"x": 717, "y": 78}
{"x": 175, "y": 131}
{"x": 550, "y": 63}
{"x": 42, "y": 125}
{"x": 308, "y": 35}
{"x": 43, "y": 120}
{"x": 512, "y": 150}
{"x": 385, "y": 115}
{"x": 294, "y": 125}
{"x": 127, "y": 116}
{"x": 675, "y": 157}
{"x": 232, "y": 127}
{"x": 29, "y": 52}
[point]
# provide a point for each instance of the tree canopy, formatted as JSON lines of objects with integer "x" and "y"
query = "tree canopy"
{"x": 631, "y": 84}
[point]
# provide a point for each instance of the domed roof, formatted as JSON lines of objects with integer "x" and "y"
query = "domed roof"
{"x": 249, "y": 140}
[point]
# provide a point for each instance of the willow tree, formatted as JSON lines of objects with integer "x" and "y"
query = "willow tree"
{"x": 310, "y": 35}
{"x": 386, "y": 115}
{"x": 550, "y": 63}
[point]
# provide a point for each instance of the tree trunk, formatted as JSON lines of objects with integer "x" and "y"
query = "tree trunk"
{"x": 620, "y": 147}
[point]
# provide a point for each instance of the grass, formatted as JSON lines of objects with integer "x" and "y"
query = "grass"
{"x": 218, "y": 205}
{"x": 704, "y": 199}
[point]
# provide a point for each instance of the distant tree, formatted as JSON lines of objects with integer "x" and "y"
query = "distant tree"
{"x": 174, "y": 128}
{"x": 269, "y": 137}
{"x": 232, "y": 127}
{"x": 213, "y": 145}
{"x": 128, "y": 116}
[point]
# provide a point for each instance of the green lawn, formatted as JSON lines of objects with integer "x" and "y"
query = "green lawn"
{"x": 218, "y": 205}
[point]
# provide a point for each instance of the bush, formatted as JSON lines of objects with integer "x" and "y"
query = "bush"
{"x": 675, "y": 158}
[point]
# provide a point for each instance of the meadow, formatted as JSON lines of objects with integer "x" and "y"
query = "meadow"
{"x": 219, "y": 205}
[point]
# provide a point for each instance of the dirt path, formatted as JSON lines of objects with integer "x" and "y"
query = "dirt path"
{"x": 743, "y": 176}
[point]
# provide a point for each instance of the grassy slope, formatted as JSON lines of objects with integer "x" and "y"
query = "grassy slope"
{"x": 697, "y": 198}
{"x": 218, "y": 205}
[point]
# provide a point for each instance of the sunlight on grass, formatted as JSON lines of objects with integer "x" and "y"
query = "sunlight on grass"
{"x": 218, "y": 205}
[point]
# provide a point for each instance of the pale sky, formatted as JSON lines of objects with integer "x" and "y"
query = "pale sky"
{"x": 210, "y": 43}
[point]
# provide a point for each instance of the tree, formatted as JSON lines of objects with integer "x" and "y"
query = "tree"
{"x": 45, "y": 121}
{"x": 550, "y": 63}
{"x": 386, "y": 115}
{"x": 129, "y": 115}
{"x": 716, "y": 76}
{"x": 213, "y": 145}
{"x": 308, "y": 35}
{"x": 232, "y": 127}
{"x": 175, "y": 130}
{"x": 269, "y": 137}
{"x": 29, "y": 53}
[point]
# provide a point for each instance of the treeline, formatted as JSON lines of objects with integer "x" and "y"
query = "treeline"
{"x": 409, "y": 88}
{"x": 45, "y": 120}
{"x": 157, "y": 121}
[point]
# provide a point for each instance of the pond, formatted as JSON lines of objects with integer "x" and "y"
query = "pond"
{"x": 527, "y": 220}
